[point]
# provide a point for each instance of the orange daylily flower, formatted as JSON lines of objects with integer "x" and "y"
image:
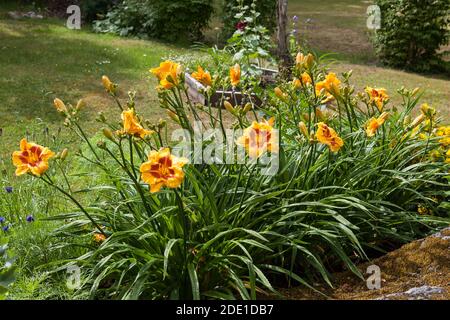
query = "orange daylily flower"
{"x": 328, "y": 136}
{"x": 167, "y": 73}
{"x": 374, "y": 123}
{"x": 378, "y": 96}
{"x": 163, "y": 169}
{"x": 202, "y": 76}
{"x": 131, "y": 125}
{"x": 259, "y": 138}
{"x": 235, "y": 75}
{"x": 31, "y": 158}
{"x": 331, "y": 86}
{"x": 98, "y": 237}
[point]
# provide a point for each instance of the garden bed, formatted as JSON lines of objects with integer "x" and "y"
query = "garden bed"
{"x": 416, "y": 271}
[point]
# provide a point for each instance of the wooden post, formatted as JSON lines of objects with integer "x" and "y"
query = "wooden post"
{"x": 282, "y": 37}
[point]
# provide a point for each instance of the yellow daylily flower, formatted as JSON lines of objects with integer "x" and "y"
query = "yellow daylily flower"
{"x": 331, "y": 86}
{"x": 202, "y": 76}
{"x": 168, "y": 74}
{"x": 329, "y": 137}
{"x": 259, "y": 138}
{"x": 235, "y": 75}
{"x": 378, "y": 96}
{"x": 163, "y": 169}
{"x": 374, "y": 123}
{"x": 131, "y": 125}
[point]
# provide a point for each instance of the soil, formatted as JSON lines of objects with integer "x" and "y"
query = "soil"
{"x": 419, "y": 270}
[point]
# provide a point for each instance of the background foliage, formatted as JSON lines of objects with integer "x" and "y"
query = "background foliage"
{"x": 167, "y": 20}
{"x": 266, "y": 8}
{"x": 412, "y": 32}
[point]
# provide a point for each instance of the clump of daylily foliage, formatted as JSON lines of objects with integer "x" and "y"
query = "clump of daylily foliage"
{"x": 355, "y": 174}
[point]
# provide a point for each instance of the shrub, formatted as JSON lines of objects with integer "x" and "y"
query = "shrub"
{"x": 230, "y": 10}
{"x": 167, "y": 20}
{"x": 250, "y": 43}
{"x": 412, "y": 32}
{"x": 354, "y": 175}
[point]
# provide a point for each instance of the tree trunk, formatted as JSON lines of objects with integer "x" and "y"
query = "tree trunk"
{"x": 282, "y": 37}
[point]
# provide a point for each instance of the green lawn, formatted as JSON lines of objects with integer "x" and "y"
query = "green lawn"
{"x": 41, "y": 60}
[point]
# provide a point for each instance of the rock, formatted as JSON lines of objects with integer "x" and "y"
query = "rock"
{"x": 14, "y": 15}
{"x": 424, "y": 291}
{"x": 19, "y": 15}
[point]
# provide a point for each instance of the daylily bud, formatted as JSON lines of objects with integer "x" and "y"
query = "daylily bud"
{"x": 303, "y": 129}
{"x": 173, "y": 116}
{"x": 162, "y": 123}
{"x": 108, "y": 134}
{"x": 406, "y": 120}
{"x": 299, "y": 59}
{"x": 279, "y": 93}
{"x": 109, "y": 86}
{"x": 415, "y": 91}
{"x": 297, "y": 83}
{"x": 80, "y": 105}
{"x": 64, "y": 154}
{"x": 309, "y": 60}
{"x": 417, "y": 121}
{"x": 384, "y": 116}
{"x": 229, "y": 107}
{"x": 248, "y": 107}
{"x": 60, "y": 106}
{"x": 312, "y": 137}
{"x": 101, "y": 144}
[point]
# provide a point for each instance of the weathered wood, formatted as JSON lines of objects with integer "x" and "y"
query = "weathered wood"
{"x": 195, "y": 90}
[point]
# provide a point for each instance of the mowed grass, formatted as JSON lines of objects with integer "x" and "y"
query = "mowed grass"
{"x": 41, "y": 60}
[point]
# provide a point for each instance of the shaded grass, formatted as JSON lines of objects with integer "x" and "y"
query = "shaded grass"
{"x": 41, "y": 60}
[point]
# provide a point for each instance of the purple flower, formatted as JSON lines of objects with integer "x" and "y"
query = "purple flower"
{"x": 9, "y": 189}
{"x": 30, "y": 218}
{"x": 295, "y": 19}
{"x": 5, "y": 228}
{"x": 2, "y": 219}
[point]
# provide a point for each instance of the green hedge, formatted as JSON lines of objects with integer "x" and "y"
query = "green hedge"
{"x": 168, "y": 20}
